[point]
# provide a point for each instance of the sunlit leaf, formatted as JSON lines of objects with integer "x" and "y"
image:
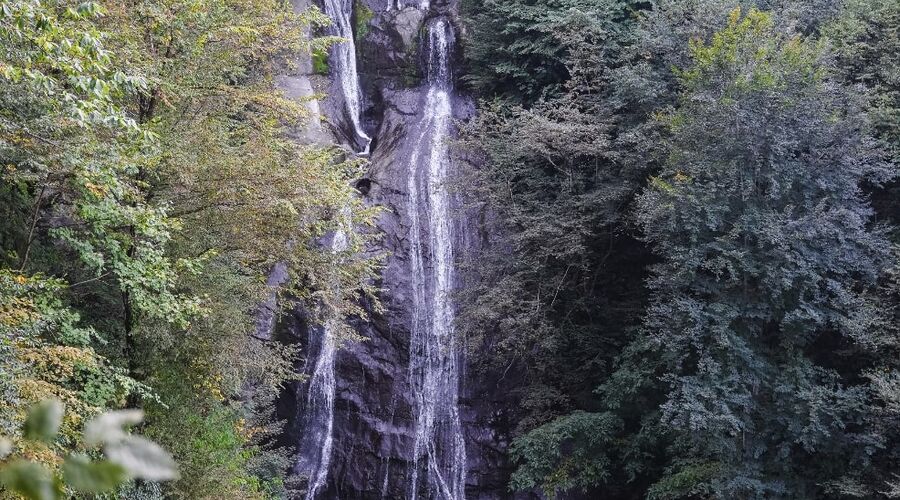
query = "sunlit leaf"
{"x": 6, "y": 447}
{"x": 109, "y": 427}
{"x": 142, "y": 459}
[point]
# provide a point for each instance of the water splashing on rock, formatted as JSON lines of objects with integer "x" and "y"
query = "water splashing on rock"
{"x": 316, "y": 448}
{"x": 318, "y": 440}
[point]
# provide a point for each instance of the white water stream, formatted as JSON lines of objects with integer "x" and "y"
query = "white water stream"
{"x": 318, "y": 441}
{"x": 439, "y": 466}
{"x": 343, "y": 59}
{"x": 400, "y": 4}
{"x": 320, "y": 413}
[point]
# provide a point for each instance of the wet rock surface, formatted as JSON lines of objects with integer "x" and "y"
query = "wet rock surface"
{"x": 374, "y": 410}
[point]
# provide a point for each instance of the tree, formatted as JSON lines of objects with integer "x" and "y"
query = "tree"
{"x": 762, "y": 321}
{"x": 550, "y": 288}
{"x": 521, "y": 49}
{"x": 752, "y": 373}
{"x": 150, "y": 184}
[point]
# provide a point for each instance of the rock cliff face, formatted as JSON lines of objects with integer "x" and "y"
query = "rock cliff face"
{"x": 374, "y": 425}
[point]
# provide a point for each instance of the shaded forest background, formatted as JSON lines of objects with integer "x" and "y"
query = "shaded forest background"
{"x": 692, "y": 210}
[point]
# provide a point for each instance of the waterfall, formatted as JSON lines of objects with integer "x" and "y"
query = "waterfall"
{"x": 439, "y": 464}
{"x": 399, "y": 4}
{"x": 318, "y": 440}
{"x": 343, "y": 59}
{"x": 320, "y": 414}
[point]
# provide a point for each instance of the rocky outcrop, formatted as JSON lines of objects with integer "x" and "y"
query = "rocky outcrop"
{"x": 296, "y": 81}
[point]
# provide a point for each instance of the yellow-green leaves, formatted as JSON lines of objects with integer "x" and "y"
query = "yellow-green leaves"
{"x": 58, "y": 51}
{"x": 749, "y": 54}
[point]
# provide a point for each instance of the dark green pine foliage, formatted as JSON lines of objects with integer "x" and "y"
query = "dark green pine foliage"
{"x": 761, "y": 327}
{"x": 866, "y": 41}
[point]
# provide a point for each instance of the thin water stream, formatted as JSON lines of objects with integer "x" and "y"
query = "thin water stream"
{"x": 318, "y": 440}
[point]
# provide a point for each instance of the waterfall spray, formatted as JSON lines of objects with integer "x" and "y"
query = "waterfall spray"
{"x": 439, "y": 454}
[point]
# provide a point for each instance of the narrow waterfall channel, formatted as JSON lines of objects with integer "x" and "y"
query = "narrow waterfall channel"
{"x": 439, "y": 463}
{"x": 316, "y": 448}
{"x": 343, "y": 60}
{"x": 320, "y": 416}
{"x": 318, "y": 441}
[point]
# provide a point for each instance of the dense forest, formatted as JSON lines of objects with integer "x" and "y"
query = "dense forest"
{"x": 643, "y": 249}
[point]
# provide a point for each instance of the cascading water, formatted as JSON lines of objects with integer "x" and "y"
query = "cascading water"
{"x": 343, "y": 59}
{"x": 318, "y": 440}
{"x": 320, "y": 416}
{"x": 439, "y": 464}
{"x": 399, "y": 4}
{"x": 438, "y": 468}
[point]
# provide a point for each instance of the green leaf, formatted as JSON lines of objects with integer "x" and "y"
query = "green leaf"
{"x": 92, "y": 477}
{"x": 109, "y": 427}
{"x": 142, "y": 459}
{"x": 31, "y": 480}
{"x": 44, "y": 420}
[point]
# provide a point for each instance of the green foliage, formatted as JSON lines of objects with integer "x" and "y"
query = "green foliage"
{"x": 550, "y": 201}
{"x": 763, "y": 144}
{"x": 727, "y": 134}
{"x": 93, "y": 477}
{"x": 146, "y": 160}
{"x": 364, "y": 16}
{"x": 320, "y": 62}
{"x": 522, "y": 49}
{"x": 866, "y": 41}
{"x": 31, "y": 480}
{"x": 47, "y": 354}
{"x": 548, "y": 467}
{"x": 757, "y": 62}
{"x": 690, "y": 480}
{"x": 43, "y": 421}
